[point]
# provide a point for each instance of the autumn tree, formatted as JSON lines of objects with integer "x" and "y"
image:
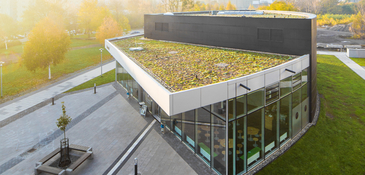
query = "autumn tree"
{"x": 41, "y": 9}
{"x": 91, "y": 15}
{"x": 47, "y": 45}
{"x": 8, "y": 28}
{"x": 117, "y": 7}
{"x": 108, "y": 29}
{"x": 279, "y": 5}
{"x": 358, "y": 26}
{"x": 230, "y": 6}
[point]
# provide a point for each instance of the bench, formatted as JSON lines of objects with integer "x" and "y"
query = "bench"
{"x": 80, "y": 148}
{"x": 49, "y": 156}
{"x": 79, "y": 161}
{"x": 205, "y": 151}
{"x": 49, "y": 169}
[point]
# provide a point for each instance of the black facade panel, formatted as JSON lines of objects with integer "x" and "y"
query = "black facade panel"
{"x": 242, "y": 33}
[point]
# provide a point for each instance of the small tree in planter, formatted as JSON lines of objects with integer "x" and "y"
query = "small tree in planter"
{"x": 62, "y": 122}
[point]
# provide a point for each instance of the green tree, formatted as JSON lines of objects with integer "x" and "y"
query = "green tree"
{"x": 108, "y": 29}
{"x": 47, "y": 45}
{"x": 187, "y": 5}
{"x": 329, "y": 6}
{"x": 63, "y": 121}
{"x": 8, "y": 28}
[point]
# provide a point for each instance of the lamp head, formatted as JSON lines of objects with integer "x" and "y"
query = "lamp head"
{"x": 1, "y": 63}
{"x": 101, "y": 49}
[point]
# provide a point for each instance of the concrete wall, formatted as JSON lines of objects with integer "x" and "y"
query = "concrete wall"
{"x": 356, "y": 53}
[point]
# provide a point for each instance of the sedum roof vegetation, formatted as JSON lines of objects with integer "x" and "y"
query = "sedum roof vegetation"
{"x": 180, "y": 66}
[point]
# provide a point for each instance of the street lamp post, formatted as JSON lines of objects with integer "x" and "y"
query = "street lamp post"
{"x": 101, "y": 61}
{"x": 1, "y": 65}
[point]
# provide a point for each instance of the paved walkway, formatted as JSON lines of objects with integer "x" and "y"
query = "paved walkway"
{"x": 20, "y": 104}
{"x": 346, "y": 60}
{"x": 110, "y": 124}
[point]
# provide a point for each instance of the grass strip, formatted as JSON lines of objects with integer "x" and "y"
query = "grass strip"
{"x": 107, "y": 77}
{"x": 359, "y": 61}
{"x": 336, "y": 144}
{"x": 17, "y": 79}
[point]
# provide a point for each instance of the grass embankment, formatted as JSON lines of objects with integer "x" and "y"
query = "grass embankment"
{"x": 336, "y": 144}
{"x": 359, "y": 61}
{"x": 16, "y": 78}
{"x": 106, "y": 78}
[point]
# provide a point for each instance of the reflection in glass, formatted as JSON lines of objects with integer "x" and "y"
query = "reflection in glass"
{"x": 177, "y": 124}
{"x": 203, "y": 143}
{"x": 285, "y": 86}
{"x": 297, "y": 79}
{"x": 165, "y": 119}
{"x": 241, "y": 106}
{"x": 296, "y": 113}
{"x": 272, "y": 93}
{"x": 231, "y": 141}
{"x": 219, "y": 109}
{"x": 305, "y": 105}
{"x": 188, "y": 121}
{"x": 231, "y": 107}
{"x": 254, "y": 139}
{"x": 284, "y": 119}
{"x": 219, "y": 140}
{"x": 271, "y": 113}
{"x": 255, "y": 100}
{"x": 240, "y": 145}
{"x": 304, "y": 75}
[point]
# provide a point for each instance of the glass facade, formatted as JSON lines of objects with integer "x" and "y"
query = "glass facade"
{"x": 259, "y": 122}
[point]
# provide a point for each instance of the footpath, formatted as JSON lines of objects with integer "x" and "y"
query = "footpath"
{"x": 347, "y": 61}
{"x": 9, "y": 110}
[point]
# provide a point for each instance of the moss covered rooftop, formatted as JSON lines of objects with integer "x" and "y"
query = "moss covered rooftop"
{"x": 180, "y": 66}
{"x": 265, "y": 15}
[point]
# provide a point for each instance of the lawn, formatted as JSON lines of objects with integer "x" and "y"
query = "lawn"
{"x": 107, "y": 77}
{"x": 16, "y": 78}
{"x": 78, "y": 42}
{"x": 184, "y": 66}
{"x": 336, "y": 144}
{"x": 359, "y": 61}
{"x": 12, "y": 50}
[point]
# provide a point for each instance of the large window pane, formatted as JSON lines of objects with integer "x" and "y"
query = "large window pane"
{"x": 284, "y": 119}
{"x": 177, "y": 124}
{"x": 305, "y": 106}
{"x": 271, "y": 113}
{"x": 272, "y": 93}
{"x": 219, "y": 144}
{"x": 304, "y": 75}
{"x": 203, "y": 122}
{"x": 297, "y": 79}
{"x": 231, "y": 141}
{"x": 296, "y": 113}
{"x": 285, "y": 86}
{"x": 231, "y": 107}
{"x": 188, "y": 121}
{"x": 241, "y": 106}
{"x": 165, "y": 119}
{"x": 240, "y": 145}
{"x": 255, "y": 100}
{"x": 219, "y": 109}
{"x": 135, "y": 88}
{"x": 254, "y": 139}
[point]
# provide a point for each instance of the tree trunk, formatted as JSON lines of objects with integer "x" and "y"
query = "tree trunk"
{"x": 49, "y": 71}
{"x": 6, "y": 45}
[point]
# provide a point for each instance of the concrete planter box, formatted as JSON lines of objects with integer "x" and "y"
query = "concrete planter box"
{"x": 356, "y": 53}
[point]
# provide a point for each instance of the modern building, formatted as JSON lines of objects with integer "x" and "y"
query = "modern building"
{"x": 234, "y": 86}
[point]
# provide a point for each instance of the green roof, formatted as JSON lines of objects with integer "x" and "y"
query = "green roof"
{"x": 180, "y": 66}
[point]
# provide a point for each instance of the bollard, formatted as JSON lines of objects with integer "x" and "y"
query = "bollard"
{"x": 94, "y": 88}
{"x": 135, "y": 166}
{"x": 162, "y": 129}
{"x": 52, "y": 100}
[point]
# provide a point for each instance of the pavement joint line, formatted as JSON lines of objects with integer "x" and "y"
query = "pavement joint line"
{"x": 114, "y": 169}
{"x": 16, "y": 160}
